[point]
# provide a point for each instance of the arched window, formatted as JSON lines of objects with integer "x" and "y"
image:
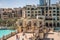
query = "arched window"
{"x": 20, "y": 24}
{"x": 50, "y": 24}
{"x": 29, "y": 23}
{"x": 35, "y": 23}
{"x": 54, "y": 24}
{"x": 58, "y": 24}
{"x": 46, "y": 24}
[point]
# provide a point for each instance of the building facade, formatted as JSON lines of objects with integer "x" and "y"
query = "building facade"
{"x": 6, "y": 13}
{"x": 50, "y": 14}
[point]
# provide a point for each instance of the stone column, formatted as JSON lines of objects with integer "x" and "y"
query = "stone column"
{"x": 32, "y": 26}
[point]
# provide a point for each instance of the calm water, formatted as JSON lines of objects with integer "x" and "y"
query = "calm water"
{"x": 5, "y": 32}
{"x": 57, "y": 29}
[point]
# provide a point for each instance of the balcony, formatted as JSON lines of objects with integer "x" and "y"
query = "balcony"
{"x": 48, "y": 19}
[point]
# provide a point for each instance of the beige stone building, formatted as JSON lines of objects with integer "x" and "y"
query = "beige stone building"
{"x": 50, "y": 14}
{"x": 6, "y": 13}
{"x": 29, "y": 25}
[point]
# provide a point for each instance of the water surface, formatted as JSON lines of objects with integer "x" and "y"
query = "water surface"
{"x": 5, "y": 32}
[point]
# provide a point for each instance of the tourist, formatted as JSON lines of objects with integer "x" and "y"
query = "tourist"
{"x": 23, "y": 36}
{"x": 4, "y": 38}
{"x": 17, "y": 37}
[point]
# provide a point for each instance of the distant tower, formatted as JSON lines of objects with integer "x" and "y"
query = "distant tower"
{"x": 48, "y": 2}
{"x": 42, "y": 2}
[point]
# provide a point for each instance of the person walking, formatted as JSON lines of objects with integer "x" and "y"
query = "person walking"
{"x": 17, "y": 37}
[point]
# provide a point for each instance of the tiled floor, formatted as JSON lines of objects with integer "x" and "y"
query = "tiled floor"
{"x": 28, "y": 35}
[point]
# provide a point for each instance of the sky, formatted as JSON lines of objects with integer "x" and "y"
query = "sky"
{"x": 19, "y": 3}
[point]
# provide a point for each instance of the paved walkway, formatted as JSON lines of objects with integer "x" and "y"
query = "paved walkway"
{"x": 26, "y": 37}
{"x": 55, "y": 36}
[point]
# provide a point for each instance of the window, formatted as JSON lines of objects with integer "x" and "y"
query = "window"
{"x": 28, "y": 11}
{"x": 48, "y": 18}
{"x": 42, "y": 12}
{"x": 57, "y": 11}
{"x": 50, "y": 24}
{"x": 32, "y": 11}
{"x": 54, "y": 24}
{"x": 4, "y": 13}
{"x": 35, "y": 14}
{"x": 40, "y": 18}
{"x": 10, "y": 15}
{"x": 49, "y": 11}
{"x": 46, "y": 11}
{"x": 13, "y": 12}
{"x": 54, "y": 11}
{"x": 35, "y": 11}
{"x": 38, "y": 11}
{"x": 53, "y": 7}
{"x": 38, "y": 14}
{"x": 57, "y": 18}
{"x": 35, "y": 24}
{"x": 20, "y": 23}
{"x": 15, "y": 15}
{"x": 42, "y": 7}
{"x": 32, "y": 15}
{"x": 58, "y": 24}
{"x": 46, "y": 14}
{"x": 40, "y": 22}
{"x": 46, "y": 24}
{"x": 46, "y": 8}
{"x": 57, "y": 8}
{"x": 28, "y": 14}
{"x": 53, "y": 18}
{"x": 32, "y": 8}
{"x": 50, "y": 14}
{"x": 50, "y": 7}
{"x": 57, "y": 14}
{"x": 54, "y": 14}
{"x": 28, "y": 8}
